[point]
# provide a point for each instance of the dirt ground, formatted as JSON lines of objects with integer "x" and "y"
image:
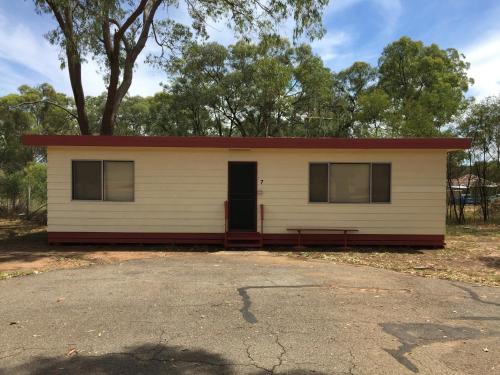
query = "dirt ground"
{"x": 24, "y": 250}
{"x": 472, "y": 254}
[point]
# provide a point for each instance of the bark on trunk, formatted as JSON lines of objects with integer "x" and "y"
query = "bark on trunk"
{"x": 64, "y": 17}
{"x": 75, "y": 77}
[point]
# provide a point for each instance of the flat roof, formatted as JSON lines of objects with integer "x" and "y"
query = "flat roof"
{"x": 247, "y": 142}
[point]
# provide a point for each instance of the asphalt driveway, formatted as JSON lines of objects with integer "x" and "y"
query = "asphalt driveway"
{"x": 245, "y": 313}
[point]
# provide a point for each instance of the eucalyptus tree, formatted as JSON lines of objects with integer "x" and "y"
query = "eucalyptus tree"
{"x": 241, "y": 89}
{"x": 196, "y": 86}
{"x": 349, "y": 85}
{"x": 115, "y": 32}
{"x": 426, "y": 85}
{"x": 374, "y": 113}
{"x": 312, "y": 87}
{"x": 263, "y": 95}
{"x": 39, "y": 110}
{"x": 482, "y": 124}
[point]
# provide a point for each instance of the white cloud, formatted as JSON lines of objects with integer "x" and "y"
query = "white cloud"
{"x": 484, "y": 57}
{"x": 342, "y": 5}
{"x": 220, "y": 32}
{"x": 327, "y": 47}
{"x": 389, "y": 10}
{"x": 146, "y": 80}
{"x": 33, "y": 55}
{"x": 28, "y": 58}
{"x": 10, "y": 79}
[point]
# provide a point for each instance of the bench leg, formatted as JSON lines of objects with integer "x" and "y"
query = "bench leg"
{"x": 345, "y": 240}
{"x": 299, "y": 241}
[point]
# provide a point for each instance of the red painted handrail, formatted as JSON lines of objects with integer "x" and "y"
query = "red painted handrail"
{"x": 226, "y": 215}
{"x": 261, "y": 219}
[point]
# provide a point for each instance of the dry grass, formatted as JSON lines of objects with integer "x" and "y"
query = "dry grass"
{"x": 472, "y": 254}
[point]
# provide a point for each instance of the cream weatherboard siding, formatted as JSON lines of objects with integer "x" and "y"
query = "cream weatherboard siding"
{"x": 182, "y": 190}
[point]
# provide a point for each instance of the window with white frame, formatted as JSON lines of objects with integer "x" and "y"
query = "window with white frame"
{"x": 107, "y": 180}
{"x": 350, "y": 182}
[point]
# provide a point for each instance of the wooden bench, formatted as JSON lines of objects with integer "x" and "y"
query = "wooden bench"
{"x": 301, "y": 230}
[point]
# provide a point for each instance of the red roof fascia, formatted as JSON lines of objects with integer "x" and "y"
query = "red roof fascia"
{"x": 247, "y": 142}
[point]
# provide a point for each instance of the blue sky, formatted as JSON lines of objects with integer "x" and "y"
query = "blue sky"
{"x": 356, "y": 30}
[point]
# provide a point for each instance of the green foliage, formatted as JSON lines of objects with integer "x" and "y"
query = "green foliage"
{"x": 311, "y": 103}
{"x": 426, "y": 85}
{"x": 25, "y": 187}
{"x": 13, "y": 123}
{"x": 37, "y": 110}
{"x": 11, "y": 187}
{"x": 481, "y": 123}
{"x": 349, "y": 85}
{"x": 374, "y": 113}
{"x": 49, "y": 109}
{"x": 34, "y": 182}
{"x": 272, "y": 88}
{"x": 248, "y": 89}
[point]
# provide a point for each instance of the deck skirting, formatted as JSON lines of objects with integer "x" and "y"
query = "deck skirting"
{"x": 269, "y": 239}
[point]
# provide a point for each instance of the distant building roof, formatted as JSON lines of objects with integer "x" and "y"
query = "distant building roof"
{"x": 469, "y": 181}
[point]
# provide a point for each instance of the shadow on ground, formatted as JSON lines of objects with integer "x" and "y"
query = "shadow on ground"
{"x": 491, "y": 261}
{"x": 412, "y": 335}
{"x": 145, "y": 359}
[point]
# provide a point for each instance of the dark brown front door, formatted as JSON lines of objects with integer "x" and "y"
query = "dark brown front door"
{"x": 242, "y": 189}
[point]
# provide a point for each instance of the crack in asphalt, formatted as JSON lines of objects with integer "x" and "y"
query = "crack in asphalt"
{"x": 173, "y": 359}
{"x": 159, "y": 347}
{"x": 17, "y": 351}
{"x": 247, "y": 302}
{"x": 254, "y": 362}
{"x": 475, "y": 296}
{"x": 353, "y": 362}
{"x": 279, "y": 358}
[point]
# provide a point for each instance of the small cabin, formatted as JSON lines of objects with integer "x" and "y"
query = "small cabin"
{"x": 246, "y": 192}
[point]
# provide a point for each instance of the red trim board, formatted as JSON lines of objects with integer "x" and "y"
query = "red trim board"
{"x": 277, "y": 239}
{"x": 247, "y": 142}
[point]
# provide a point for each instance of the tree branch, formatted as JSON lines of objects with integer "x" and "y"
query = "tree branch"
{"x": 124, "y": 39}
{"x": 157, "y": 41}
{"x": 148, "y": 17}
{"x": 45, "y": 102}
{"x": 136, "y": 13}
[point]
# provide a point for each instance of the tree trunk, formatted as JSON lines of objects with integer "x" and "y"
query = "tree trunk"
{"x": 64, "y": 17}
{"x": 111, "y": 106}
{"x": 452, "y": 202}
{"x": 117, "y": 90}
{"x": 75, "y": 77}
